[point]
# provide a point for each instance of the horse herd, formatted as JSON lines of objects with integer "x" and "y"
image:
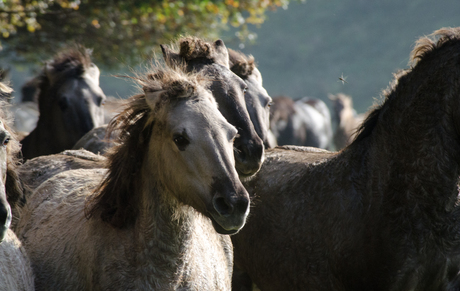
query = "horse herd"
{"x": 184, "y": 188}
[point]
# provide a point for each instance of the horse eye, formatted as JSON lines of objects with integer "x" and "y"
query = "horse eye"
{"x": 6, "y": 141}
{"x": 181, "y": 142}
{"x": 269, "y": 104}
{"x": 245, "y": 90}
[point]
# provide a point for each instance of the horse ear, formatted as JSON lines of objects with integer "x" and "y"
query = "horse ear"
{"x": 170, "y": 57}
{"x": 332, "y": 97}
{"x": 152, "y": 97}
{"x": 221, "y": 53}
{"x": 94, "y": 73}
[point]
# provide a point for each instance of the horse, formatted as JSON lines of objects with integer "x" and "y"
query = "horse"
{"x": 305, "y": 122}
{"x": 228, "y": 90}
{"x": 15, "y": 269}
{"x": 159, "y": 214}
{"x": 346, "y": 119}
{"x": 382, "y": 213}
{"x": 257, "y": 100}
{"x": 70, "y": 103}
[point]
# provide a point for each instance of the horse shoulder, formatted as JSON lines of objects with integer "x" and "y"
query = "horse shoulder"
{"x": 54, "y": 216}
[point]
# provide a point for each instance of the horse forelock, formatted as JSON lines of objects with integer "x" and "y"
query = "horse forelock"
{"x": 76, "y": 59}
{"x": 174, "y": 81}
{"x": 117, "y": 197}
{"x": 240, "y": 64}
{"x": 193, "y": 48}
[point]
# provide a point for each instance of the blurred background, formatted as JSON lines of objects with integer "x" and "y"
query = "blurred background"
{"x": 302, "y": 48}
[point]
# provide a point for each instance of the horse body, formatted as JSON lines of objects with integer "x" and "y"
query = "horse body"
{"x": 158, "y": 255}
{"x": 379, "y": 215}
{"x": 155, "y": 217}
{"x": 70, "y": 101}
{"x": 228, "y": 89}
{"x": 305, "y": 122}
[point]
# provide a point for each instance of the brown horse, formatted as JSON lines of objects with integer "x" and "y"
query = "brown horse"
{"x": 155, "y": 216}
{"x": 382, "y": 214}
{"x": 70, "y": 101}
{"x": 346, "y": 119}
{"x": 228, "y": 90}
{"x": 257, "y": 100}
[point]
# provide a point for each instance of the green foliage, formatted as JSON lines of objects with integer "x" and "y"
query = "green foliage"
{"x": 120, "y": 31}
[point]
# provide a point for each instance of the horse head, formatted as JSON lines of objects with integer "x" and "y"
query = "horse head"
{"x": 70, "y": 103}
{"x": 75, "y": 86}
{"x": 257, "y": 100}
{"x": 228, "y": 89}
{"x": 175, "y": 138}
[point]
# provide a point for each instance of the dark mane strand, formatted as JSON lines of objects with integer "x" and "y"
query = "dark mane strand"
{"x": 113, "y": 200}
{"x": 240, "y": 64}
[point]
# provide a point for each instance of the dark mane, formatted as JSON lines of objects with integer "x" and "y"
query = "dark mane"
{"x": 241, "y": 64}
{"x": 428, "y": 44}
{"x": 115, "y": 199}
{"x": 424, "y": 49}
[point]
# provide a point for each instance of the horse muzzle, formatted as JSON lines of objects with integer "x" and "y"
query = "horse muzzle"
{"x": 229, "y": 212}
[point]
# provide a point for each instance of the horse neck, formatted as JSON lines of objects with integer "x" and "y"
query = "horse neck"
{"x": 415, "y": 147}
{"x": 163, "y": 237}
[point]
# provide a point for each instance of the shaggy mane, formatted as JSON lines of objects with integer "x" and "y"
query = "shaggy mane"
{"x": 115, "y": 199}
{"x": 424, "y": 48}
{"x": 428, "y": 44}
{"x": 240, "y": 64}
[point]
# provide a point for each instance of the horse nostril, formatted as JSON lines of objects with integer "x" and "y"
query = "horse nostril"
{"x": 222, "y": 207}
{"x": 241, "y": 152}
